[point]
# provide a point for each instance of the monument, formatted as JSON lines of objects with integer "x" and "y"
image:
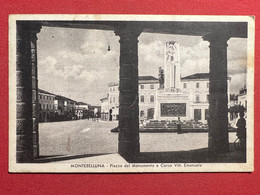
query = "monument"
{"x": 172, "y": 65}
{"x": 171, "y": 102}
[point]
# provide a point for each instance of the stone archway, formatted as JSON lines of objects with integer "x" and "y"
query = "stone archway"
{"x": 27, "y": 146}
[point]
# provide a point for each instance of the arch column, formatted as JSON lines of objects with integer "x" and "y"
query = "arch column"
{"x": 218, "y": 100}
{"x": 27, "y": 146}
{"x": 128, "y": 145}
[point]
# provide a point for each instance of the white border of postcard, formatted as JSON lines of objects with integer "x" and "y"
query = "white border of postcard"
{"x": 128, "y": 167}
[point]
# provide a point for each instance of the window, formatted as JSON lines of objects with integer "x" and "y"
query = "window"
{"x": 197, "y": 98}
{"x": 184, "y": 85}
{"x": 197, "y": 85}
{"x": 142, "y": 98}
{"x": 43, "y": 107}
{"x": 208, "y": 97}
{"x": 40, "y": 96}
{"x": 113, "y": 88}
{"x": 142, "y": 86}
{"x": 206, "y": 114}
{"x": 207, "y": 85}
{"x": 141, "y": 113}
{"x": 114, "y": 99}
{"x": 47, "y": 106}
{"x": 152, "y": 98}
{"x": 151, "y": 86}
{"x": 197, "y": 114}
{"x": 110, "y": 99}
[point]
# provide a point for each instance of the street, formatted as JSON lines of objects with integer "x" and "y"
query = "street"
{"x": 94, "y": 137}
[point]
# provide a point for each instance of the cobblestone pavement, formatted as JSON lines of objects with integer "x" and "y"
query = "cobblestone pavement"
{"x": 94, "y": 137}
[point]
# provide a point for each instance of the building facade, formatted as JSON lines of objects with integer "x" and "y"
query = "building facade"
{"x": 81, "y": 110}
{"x": 94, "y": 111}
{"x": 169, "y": 97}
{"x": 147, "y": 91}
{"x": 148, "y": 86}
{"x": 197, "y": 86}
{"x": 193, "y": 91}
{"x": 242, "y": 98}
{"x": 113, "y": 100}
{"x": 104, "y": 115}
{"x": 46, "y": 106}
{"x": 55, "y": 107}
{"x": 64, "y": 108}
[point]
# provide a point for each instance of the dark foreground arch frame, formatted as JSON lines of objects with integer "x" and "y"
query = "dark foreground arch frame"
{"x": 217, "y": 33}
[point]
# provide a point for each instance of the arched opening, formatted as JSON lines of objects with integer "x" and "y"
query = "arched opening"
{"x": 128, "y": 97}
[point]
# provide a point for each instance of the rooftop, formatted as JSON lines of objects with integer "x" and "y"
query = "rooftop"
{"x": 64, "y": 98}
{"x": 197, "y": 76}
{"x": 142, "y": 79}
{"x": 105, "y": 98}
{"x": 45, "y": 92}
{"x": 82, "y": 103}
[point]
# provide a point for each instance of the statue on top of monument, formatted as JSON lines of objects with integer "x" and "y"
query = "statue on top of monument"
{"x": 171, "y": 50}
{"x": 161, "y": 77}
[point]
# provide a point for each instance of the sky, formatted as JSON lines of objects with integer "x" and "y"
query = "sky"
{"x": 75, "y": 62}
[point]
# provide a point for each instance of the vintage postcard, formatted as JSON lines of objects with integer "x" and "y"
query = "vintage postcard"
{"x": 131, "y": 93}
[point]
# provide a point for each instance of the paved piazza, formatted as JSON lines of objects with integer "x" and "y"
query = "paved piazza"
{"x": 94, "y": 137}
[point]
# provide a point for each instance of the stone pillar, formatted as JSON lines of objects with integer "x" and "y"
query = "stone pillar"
{"x": 35, "y": 103}
{"x": 128, "y": 145}
{"x": 27, "y": 88}
{"x": 218, "y": 100}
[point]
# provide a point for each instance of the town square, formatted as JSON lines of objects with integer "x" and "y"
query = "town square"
{"x": 136, "y": 92}
{"x": 90, "y": 126}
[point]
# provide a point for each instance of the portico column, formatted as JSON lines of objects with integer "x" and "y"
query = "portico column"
{"x": 218, "y": 99}
{"x": 128, "y": 145}
{"x": 27, "y": 92}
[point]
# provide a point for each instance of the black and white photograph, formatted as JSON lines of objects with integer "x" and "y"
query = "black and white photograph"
{"x": 131, "y": 93}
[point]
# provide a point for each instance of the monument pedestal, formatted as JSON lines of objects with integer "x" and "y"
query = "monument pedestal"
{"x": 171, "y": 104}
